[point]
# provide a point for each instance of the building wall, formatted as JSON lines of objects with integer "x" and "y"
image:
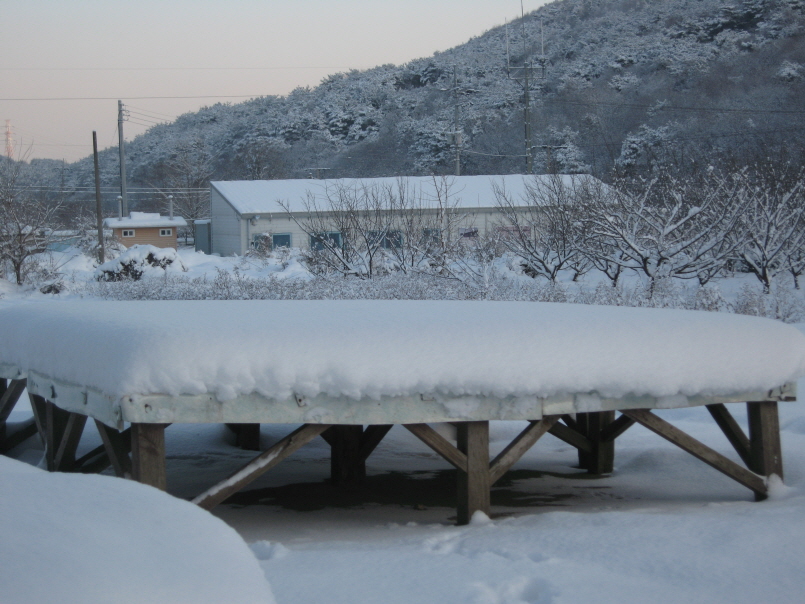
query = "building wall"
{"x": 483, "y": 219}
{"x": 147, "y": 236}
{"x": 228, "y": 229}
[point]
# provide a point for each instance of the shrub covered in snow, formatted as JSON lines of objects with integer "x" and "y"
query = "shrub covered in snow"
{"x": 138, "y": 261}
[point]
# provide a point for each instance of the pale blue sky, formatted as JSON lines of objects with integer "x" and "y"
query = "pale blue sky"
{"x": 114, "y": 49}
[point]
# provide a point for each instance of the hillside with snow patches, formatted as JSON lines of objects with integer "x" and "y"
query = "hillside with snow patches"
{"x": 621, "y": 83}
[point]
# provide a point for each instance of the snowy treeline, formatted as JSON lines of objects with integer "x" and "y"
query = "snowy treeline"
{"x": 663, "y": 226}
{"x": 627, "y": 83}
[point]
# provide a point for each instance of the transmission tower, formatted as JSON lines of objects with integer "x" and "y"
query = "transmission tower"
{"x": 526, "y": 81}
{"x": 9, "y": 141}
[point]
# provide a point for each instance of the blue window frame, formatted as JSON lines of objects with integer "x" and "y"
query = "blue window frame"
{"x": 280, "y": 240}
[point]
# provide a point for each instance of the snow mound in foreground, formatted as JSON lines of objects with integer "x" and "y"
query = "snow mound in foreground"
{"x": 98, "y": 539}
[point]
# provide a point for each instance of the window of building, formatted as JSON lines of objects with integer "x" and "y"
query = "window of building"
{"x": 165, "y": 232}
{"x": 470, "y": 233}
{"x": 431, "y": 236}
{"x": 128, "y": 232}
{"x": 389, "y": 240}
{"x": 265, "y": 242}
{"x": 319, "y": 241}
{"x": 281, "y": 240}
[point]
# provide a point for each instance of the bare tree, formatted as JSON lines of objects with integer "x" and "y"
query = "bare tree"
{"x": 544, "y": 226}
{"x": 187, "y": 179}
{"x": 665, "y": 227}
{"x": 360, "y": 228}
{"x": 773, "y": 222}
{"x": 27, "y": 225}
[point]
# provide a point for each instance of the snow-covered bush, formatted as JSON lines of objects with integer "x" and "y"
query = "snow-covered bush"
{"x": 138, "y": 261}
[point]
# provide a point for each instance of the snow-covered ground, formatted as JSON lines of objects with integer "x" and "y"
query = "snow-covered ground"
{"x": 663, "y": 527}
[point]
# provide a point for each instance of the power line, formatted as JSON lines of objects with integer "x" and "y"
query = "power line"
{"x": 174, "y": 68}
{"x": 136, "y": 98}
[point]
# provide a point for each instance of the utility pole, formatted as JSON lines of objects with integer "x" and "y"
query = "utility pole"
{"x": 529, "y": 143}
{"x": 98, "y": 209}
{"x": 122, "y": 150}
{"x": 526, "y": 82}
{"x": 456, "y": 132}
{"x": 9, "y": 141}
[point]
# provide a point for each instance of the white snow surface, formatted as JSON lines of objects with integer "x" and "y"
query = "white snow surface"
{"x": 144, "y": 220}
{"x": 371, "y": 349}
{"x": 465, "y": 192}
{"x": 76, "y": 539}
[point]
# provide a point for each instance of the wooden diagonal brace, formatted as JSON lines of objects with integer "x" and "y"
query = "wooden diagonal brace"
{"x": 733, "y": 432}
{"x": 259, "y": 465}
{"x": 117, "y": 446}
{"x": 439, "y": 444}
{"x": 65, "y": 454}
{"x": 712, "y": 458}
{"x": 518, "y": 447}
{"x": 571, "y": 436}
{"x": 372, "y": 436}
{"x": 10, "y": 397}
{"x": 616, "y": 428}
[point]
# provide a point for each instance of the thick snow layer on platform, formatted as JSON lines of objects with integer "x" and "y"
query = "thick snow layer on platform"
{"x": 369, "y": 349}
{"x": 76, "y": 539}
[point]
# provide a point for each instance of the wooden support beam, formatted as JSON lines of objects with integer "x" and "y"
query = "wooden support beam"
{"x": 247, "y": 436}
{"x": 259, "y": 465}
{"x": 473, "y": 484}
{"x": 39, "y": 409}
{"x": 732, "y": 431}
{"x": 55, "y": 425}
{"x": 65, "y": 453}
{"x": 10, "y": 395}
{"x": 601, "y": 457}
{"x": 346, "y": 464}
{"x": 328, "y": 437}
{"x": 764, "y": 440}
{"x": 148, "y": 454}
{"x": 570, "y": 422}
{"x": 117, "y": 446}
{"x": 18, "y": 436}
{"x": 93, "y": 462}
{"x": 373, "y": 436}
{"x": 616, "y": 428}
{"x": 439, "y": 444}
{"x": 520, "y": 445}
{"x": 714, "y": 459}
{"x": 571, "y": 437}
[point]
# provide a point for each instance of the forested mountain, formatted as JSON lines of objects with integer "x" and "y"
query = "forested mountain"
{"x": 620, "y": 85}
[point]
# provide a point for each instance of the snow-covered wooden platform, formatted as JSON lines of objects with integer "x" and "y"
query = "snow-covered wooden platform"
{"x": 337, "y": 366}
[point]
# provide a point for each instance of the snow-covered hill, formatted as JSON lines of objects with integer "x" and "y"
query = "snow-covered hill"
{"x": 621, "y": 82}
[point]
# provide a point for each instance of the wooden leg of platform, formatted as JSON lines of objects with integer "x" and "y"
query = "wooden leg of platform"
{"x": 474, "y": 484}
{"x": 148, "y": 454}
{"x": 765, "y": 451}
{"x": 347, "y": 465}
{"x": 39, "y": 409}
{"x": 601, "y": 457}
{"x": 247, "y": 436}
{"x": 55, "y": 426}
{"x": 10, "y": 393}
